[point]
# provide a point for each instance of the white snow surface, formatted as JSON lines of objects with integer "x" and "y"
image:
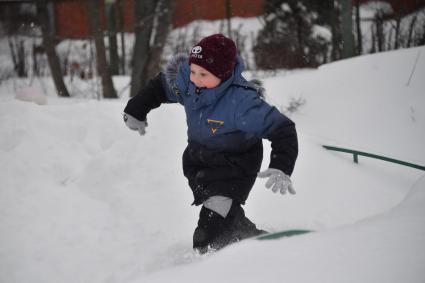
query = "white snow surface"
{"x": 84, "y": 199}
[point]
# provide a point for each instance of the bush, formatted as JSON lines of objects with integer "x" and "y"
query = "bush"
{"x": 288, "y": 39}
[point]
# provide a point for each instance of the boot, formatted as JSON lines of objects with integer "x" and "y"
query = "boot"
{"x": 215, "y": 232}
{"x": 210, "y": 225}
{"x": 238, "y": 226}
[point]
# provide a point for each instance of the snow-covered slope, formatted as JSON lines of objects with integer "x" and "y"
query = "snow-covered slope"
{"x": 83, "y": 199}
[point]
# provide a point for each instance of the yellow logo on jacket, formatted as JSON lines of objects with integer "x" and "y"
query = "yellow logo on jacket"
{"x": 215, "y": 125}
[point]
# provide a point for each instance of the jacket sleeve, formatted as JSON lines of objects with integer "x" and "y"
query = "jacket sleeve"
{"x": 150, "y": 97}
{"x": 284, "y": 143}
{"x": 255, "y": 116}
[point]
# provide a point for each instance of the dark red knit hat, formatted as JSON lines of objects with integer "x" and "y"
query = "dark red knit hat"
{"x": 215, "y": 53}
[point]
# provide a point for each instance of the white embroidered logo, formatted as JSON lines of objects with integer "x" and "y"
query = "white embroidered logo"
{"x": 197, "y": 49}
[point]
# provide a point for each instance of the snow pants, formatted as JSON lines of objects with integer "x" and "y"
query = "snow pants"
{"x": 230, "y": 174}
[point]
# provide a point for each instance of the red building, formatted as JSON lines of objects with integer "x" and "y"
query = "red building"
{"x": 70, "y": 17}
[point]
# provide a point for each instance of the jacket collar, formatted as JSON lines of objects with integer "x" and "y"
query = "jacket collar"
{"x": 211, "y": 95}
{"x": 177, "y": 73}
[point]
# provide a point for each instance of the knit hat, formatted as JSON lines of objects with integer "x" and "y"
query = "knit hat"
{"x": 215, "y": 53}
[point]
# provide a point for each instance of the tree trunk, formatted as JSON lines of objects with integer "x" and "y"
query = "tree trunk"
{"x": 358, "y": 29}
{"x": 347, "y": 28}
{"x": 17, "y": 51}
{"x": 49, "y": 46}
{"x": 380, "y": 37}
{"x": 411, "y": 28}
{"x": 121, "y": 27}
{"x": 373, "y": 39}
{"x": 335, "y": 30}
{"x": 229, "y": 17}
{"x": 161, "y": 28}
{"x": 112, "y": 35}
{"x": 143, "y": 15}
{"x": 102, "y": 66}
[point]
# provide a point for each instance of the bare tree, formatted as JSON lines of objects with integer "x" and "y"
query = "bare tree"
{"x": 347, "y": 28}
{"x": 121, "y": 27}
{"x": 17, "y": 50}
{"x": 143, "y": 16}
{"x": 411, "y": 28}
{"x": 379, "y": 33}
{"x": 102, "y": 66}
{"x": 358, "y": 29}
{"x": 397, "y": 19}
{"x": 229, "y": 17}
{"x": 335, "y": 29}
{"x": 111, "y": 15}
{"x": 161, "y": 27}
{"x": 49, "y": 47}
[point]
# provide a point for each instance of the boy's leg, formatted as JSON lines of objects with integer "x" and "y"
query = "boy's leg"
{"x": 210, "y": 225}
{"x": 239, "y": 226}
{"x": 222, "y": 221}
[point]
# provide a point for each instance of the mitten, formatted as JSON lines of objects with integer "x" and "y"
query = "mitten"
{"x": 135, "y": 124}
{"x": 278, "y": 181}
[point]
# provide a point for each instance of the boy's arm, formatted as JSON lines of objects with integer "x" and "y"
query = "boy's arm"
{"x": 149, "y": 97}
{"x": 256, "y": 116}
{"x": 284, "y": 143}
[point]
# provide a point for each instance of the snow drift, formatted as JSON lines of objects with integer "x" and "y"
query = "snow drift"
{"x": 83, "y": 199}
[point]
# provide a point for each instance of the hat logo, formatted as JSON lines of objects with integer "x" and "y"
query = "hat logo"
{"x": 197, "y": 49}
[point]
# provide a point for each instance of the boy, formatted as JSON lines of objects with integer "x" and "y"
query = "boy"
{"x": 227, "y": 120}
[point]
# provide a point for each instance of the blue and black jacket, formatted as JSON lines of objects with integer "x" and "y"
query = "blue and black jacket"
{"x": 226, "y": 125}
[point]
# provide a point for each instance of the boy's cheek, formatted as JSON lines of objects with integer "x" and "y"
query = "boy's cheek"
{"x": 211, "y": 84}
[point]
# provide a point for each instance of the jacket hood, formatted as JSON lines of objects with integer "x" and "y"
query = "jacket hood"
{"x": 172, "y": 68}
{"x": 180, "y": 63}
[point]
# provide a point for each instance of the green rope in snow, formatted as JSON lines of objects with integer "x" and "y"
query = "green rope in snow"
{"x": 281, "y": 234}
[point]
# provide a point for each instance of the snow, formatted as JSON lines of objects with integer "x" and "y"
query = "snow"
{"x": 84, "y": 199}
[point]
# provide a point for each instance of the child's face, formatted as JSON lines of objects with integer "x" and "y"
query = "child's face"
{"x": 202, "y": 78}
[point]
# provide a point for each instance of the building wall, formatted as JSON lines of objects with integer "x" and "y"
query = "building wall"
{"x": 72, "y": 18}
{"x": 188, "y": 11}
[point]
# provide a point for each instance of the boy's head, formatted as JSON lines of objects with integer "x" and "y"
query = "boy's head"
{"x": 216, "y": 54}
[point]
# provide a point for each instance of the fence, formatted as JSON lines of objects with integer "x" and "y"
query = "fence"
{"x": 356, "y": 154}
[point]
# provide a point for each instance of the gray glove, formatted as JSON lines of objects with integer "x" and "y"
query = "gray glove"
{"x": 279, "y": 180}
{"x": 134, "y": 124}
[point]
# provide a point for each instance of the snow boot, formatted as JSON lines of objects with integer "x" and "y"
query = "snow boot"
{"x": 238, "y": 226}
{"x": 210, "y": 225}
{"x": 215, "y": 232}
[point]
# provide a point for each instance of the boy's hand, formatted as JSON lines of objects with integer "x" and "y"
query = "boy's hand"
{"x": 279, "y": 180}
{"x": 135, "y": 124}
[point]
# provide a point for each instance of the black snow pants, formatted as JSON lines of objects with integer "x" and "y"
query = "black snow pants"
{"x": 231, "y": 174}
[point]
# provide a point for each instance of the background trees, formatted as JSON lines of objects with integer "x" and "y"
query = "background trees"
{"x": 307, "y": 33}
{"x": 288, "y": 39}
{"x": 102, "y": 65}
{"x": 292, "y": 34}
{"x": 152, "y": 25}
{"x": 49, "y": 47}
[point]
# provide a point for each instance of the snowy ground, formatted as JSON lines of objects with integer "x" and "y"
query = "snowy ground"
{"x": 83, "y": 199}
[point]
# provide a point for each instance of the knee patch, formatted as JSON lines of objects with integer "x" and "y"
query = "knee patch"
{"x": 219, "y": 204}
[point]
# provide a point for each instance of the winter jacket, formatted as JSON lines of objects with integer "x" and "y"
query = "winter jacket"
{"x": 226, "y": 125}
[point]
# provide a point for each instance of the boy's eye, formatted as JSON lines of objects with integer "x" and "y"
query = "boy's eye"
{"x": 203, "y": 75}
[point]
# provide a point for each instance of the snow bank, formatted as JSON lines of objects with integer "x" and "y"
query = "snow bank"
{"x": 83, "y": 199}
